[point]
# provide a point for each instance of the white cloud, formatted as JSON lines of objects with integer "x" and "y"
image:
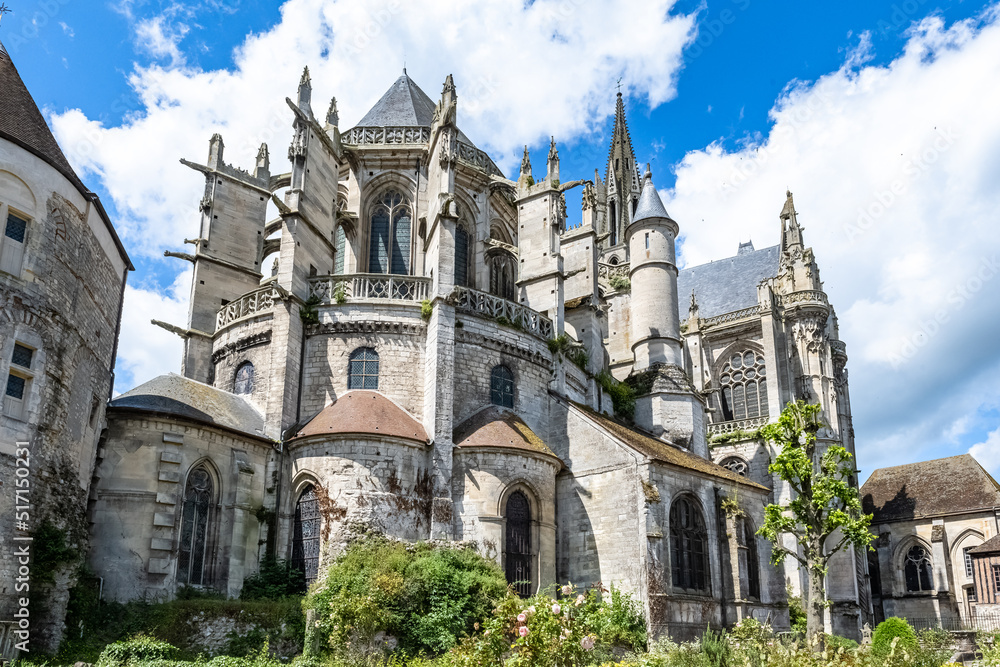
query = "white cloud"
{"x": 160, "y": 37}
{"x": 988, "y": 453}
{"x": 894, "y": 171}
{"x": 67, "y": 29}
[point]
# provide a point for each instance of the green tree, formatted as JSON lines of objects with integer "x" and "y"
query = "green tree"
{"x": 825, "y": 504}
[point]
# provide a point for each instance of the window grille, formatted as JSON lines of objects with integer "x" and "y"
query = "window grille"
{"x": 744, "y": 386}
{"x": 199, "y": 495}
{"x": 362, "y": 371}
{"x": 688, "y": 546}
{"x": 502, "y": 387}
{"x": 518, "y": 543}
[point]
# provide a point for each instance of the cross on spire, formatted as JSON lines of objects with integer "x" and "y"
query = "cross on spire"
{"x": 4, "y": 9}
{"x": 620, "y": 85}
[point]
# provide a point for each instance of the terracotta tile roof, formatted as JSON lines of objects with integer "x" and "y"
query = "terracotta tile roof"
{"x": 367, "y": 412}
{"x": 990, "y": 546}
{"x": 495, "y": 427}
{"x": 660, "y": 451}
{"x": 929, "y": 488}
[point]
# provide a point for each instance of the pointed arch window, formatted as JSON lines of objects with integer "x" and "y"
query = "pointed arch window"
{"x": 502, "y": 387}
{"x": 362, "y": 369}
{"x": 613, "y": 223}
{"x": 196, "y": 527}
{"x": 503, "y": 276}
{"x": 746, "y": 544}
{"x": 305, "y": 534}
{"x": 243, "y": 383}
{"x": 917, "y": 569}
{"x": 744, "y": 386}
{"x": 517, "y": 545}
{"x": 461, "y": 256}
{"x": 391, "y": 222}
{"x": 688, "y": 546}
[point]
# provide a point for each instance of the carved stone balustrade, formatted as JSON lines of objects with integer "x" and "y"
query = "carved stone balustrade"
{"x": 369, "y": 287}
{"x": 374, "y": 136}
{"x": 495, "y": 307}
{"x": 734, "y": 425}
{"x": 253, "y": 303}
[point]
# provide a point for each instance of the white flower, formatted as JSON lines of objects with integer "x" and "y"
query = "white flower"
{"x": 567, "y": 590}
{"x": 587, "y": 643}
{"x": 556, "y": 609}
{"x": 579, "y": 600}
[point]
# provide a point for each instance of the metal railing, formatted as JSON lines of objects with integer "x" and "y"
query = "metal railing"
{"x": 734, "y": 425}
{"x": 496, "y": 307}
{"x": 359, "y": 136}
{"x": 369, "y": 286}
{"x": 989, "y": 622}
{"x": 250, "y": 304}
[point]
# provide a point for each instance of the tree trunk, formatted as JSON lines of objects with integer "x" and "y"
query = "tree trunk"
{"x": 815, "y": 608}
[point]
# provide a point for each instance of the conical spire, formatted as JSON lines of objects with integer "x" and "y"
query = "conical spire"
{"x": 623, "y": 173}
{"x": 650, "y": 205}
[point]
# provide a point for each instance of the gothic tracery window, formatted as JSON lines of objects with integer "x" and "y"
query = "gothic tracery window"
{"x": 744, "y": 386}
{"x": 746, "y": 543}
{"x": 391, "y": 222}
{"x": 461, "y": 256}
{"x": 196, "y": 520}
{"x": 362, "y": 369}
{"x": 736, "y": 464}
{"x": 503, "y": 276}
{"x": 517, "y": 545}
{"x": 305, "y": 534}
{"x": 688, "y": 546}
{"x": 243, "y": 383}
{"x": 917, "y": 569}
{"x": 502, "y": 387}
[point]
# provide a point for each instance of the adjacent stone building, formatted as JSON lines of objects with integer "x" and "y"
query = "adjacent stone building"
{"x": 930, "y": 518}
{"x": 394, "y": 335}
{"x": 62, "y": 278}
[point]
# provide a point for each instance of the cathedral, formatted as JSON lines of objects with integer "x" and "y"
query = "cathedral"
{"x": 395, "y": 336}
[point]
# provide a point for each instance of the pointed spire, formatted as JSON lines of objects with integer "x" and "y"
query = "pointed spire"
{"x": 622, "y": 184}
{"x": 306, "y": 80}
{"x": 305, "y": 92}
{"x": 332, "y": 117}
{"x": 791, "y": 232}
{"x": 553, "y": 153}
{"x": 263, "y": 162}
{"x": 650, "y": 205}
{"x": 526, "y": 164}
{"x": 552, "y": 170}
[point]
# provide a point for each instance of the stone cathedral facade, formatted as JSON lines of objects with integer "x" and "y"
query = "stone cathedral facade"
{"x": 394, "y": 335}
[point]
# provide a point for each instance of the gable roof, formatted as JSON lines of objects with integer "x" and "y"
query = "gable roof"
{"x": 928, "y": 489}
{"x": 183, "y": 397}
{"x": 496, "y": 427}
{"x": 22, "y": 123}
{"x": 368, "y": 412}
{"x": 990, "y": 546}
{"x": 403, "y": 105}
{"x": 657, "y": 450}
{"x": 727, "y": 284}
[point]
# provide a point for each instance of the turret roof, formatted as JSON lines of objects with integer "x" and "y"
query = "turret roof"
{"x": 650, "y": 205}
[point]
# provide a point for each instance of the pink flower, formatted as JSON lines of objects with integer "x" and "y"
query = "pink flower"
{"x": 567, "y": 590}
{"x": 531, "y": 609}
{"x": 556, "y": 609}
{"x": 522, "y": 617}
{"x": 523, "y": 631}
{"x": 587, "y": 643}
{"x": 579, "y": 600}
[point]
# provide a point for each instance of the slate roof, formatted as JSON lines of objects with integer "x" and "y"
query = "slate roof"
{"x": 660, "y": 451}
{"x": 22, "y": 123}
{"x": 495, "y": 427}
{"x": 929, "y": 489}
{"x": 404, "y": 104}
{"x": 179, "y": 396}
{"x": 990, "y": 546}
{"x": 727, "y": 284}
{"x": 650, "y": 205}
{"x": 368, "y": 412}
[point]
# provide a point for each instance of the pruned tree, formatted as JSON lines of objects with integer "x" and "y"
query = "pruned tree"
{"x": 824, "y": 513}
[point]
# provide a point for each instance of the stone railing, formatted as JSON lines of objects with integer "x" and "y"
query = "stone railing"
{"x": 609, "y": 271}
{"x": 495, "y": 307}
{"x": 729, "y": 318}
{"x": 473, "y": 156}
{"x": 751, "y": 424}
{"x": 805, "y": 296}
{"x": 369, "y": 286}
{"x": 368, "y": 136}
{"x": 254, "y": 303}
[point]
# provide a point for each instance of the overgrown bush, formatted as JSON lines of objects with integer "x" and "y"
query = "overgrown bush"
{"x": 137, "y": 649}
{"x": 989, "y": 645}
{"x": 622, "y": 395}
{"x": 274, "y": 580}
{"x": 796, "y": 613}
{"x": 381, "y": 595}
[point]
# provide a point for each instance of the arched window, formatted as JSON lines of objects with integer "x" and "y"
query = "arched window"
{"x": 517, "y": 546}
{"x": 503, "y": 276}
{"x": 196, "y": 523}
{"x": 502, "y": 387}
{"x": 461, "y": 256}
{"x": 917, "y": 569}
{"x": 613, "y": 261}
{"x": 389, "y": 251}
{"x": 744, "y": 387}
{"x": 362, "y": 369}
{"x": 736, "y": 464}
{"x": 340, "y": 242}
{"x": 305, "y": 535}
{"x": 243, "y": 383}
{"x": 688, "y": 546}
{"x": 12, "y": 242}
{"x": 613, "y": 223}
{"x": 746, "y": 543}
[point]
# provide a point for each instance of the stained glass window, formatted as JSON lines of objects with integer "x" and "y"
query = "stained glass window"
{"x": 744, "y": 386}
{"x": 195, "y": 528}
{"x": 688, "y": 546}
{"x": 917, "y": 569}
{"x": 517, "y": 552}
{"x": 502, "y": 387}
{"x": 243, "y": 384}
{"x": 390, "y": 230}
{"x": 461, "y": 256}
{"x": 306, "y": 531}
{"x": 362, "y": 371}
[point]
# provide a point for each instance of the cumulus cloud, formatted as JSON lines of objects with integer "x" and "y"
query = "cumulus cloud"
{"x": 894, "y": 171}
{"x": 988, "y": 452}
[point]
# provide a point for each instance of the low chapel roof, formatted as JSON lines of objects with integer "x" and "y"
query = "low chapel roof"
{"x": 178, "y": 396}
{"x": 657, "y": 450}
{"x": 929, "y": 488}
{"x": 990, "y": 546}
{"x": 496, "y": 427}
{"x": 725, "y": 285}
{"x": 405, "y": 104}
{"x": 364, "y": 412}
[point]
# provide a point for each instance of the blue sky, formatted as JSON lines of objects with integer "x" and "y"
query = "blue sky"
{"x": 880, "y": 116}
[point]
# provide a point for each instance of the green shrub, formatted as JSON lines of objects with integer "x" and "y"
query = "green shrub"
{"x": 274, "y": 580}
{"x": 137, "y": 649}
{"x": 836, "y": 642}
{"x": 620, "y": 283}
{"x": 622, "y": 395}
{"x": 716, "y": 649}
{"x": 989, "y": 645}
{"x": 426, "y": 309}
{"x": 380, "y": 594}
{"x": 797, "y": 613}
{"x": 890, "y": 629}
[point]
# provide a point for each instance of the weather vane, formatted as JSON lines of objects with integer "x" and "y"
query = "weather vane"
{"x": 620, "y": 84}
{"x": 4, "y": 9}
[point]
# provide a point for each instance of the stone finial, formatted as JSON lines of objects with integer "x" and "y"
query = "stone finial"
{"x": 305, "y": 92}
{"x": 449, "y": 84}
{"x": 216, "y": 148}
{"x": 693, "y": 308}
{"x": 553, "y": 153}
{"x": 263, "y": 162}
{"x": 552, "y": 171}
{"x": 306, "y": 80}
{"x": 332, "y": 117}
{"x": 526, "y": 163}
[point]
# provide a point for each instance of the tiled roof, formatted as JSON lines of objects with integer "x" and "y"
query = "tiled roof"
{"x": 367, "y": 412}
{"x": 179, "y": 396}
{"x": 727, "y": 284}
{"x": 404, "y": 104}
{"x": 495, "y": 427}
{"x": 928, "y": 489}
{"x": 990, "y": 546}
{"x": 660, "y": 451}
